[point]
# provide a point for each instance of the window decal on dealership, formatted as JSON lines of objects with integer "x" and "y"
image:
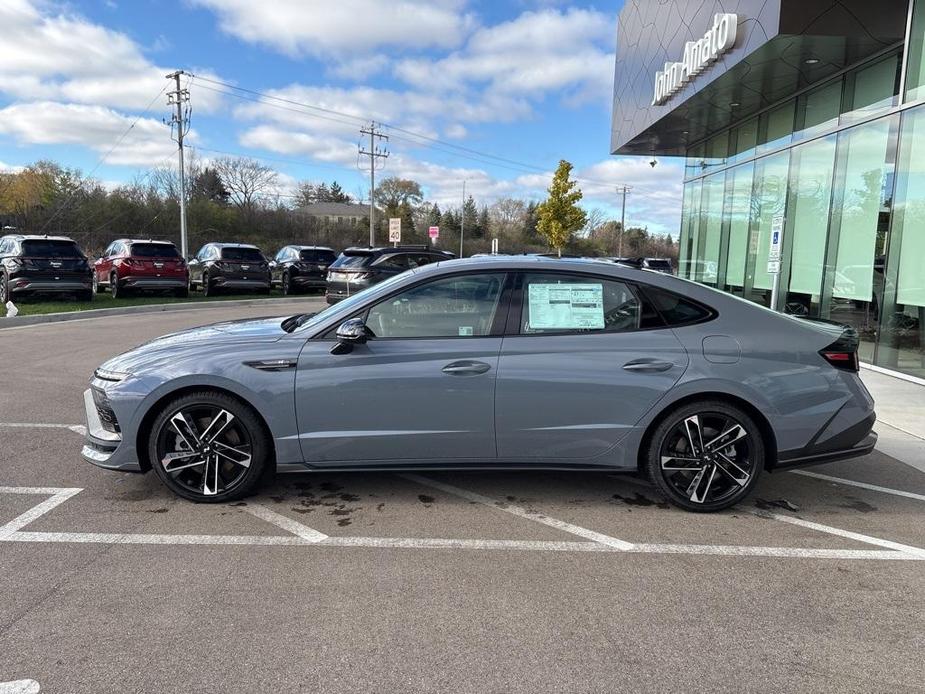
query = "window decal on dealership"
{"x": 698, "y": 55}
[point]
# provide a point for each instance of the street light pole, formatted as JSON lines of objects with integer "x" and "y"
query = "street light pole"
{"x": 462, "y": 221}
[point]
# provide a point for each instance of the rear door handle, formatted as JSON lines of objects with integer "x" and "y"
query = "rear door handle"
{"x": 466, "y": 367}
{"x": 647, "y": 365}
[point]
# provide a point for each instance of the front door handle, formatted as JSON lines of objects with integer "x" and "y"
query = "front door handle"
{"x": 647, "y": 365}
{"x": 466, "y": 367}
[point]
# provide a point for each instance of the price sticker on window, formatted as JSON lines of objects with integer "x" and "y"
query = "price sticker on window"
{"x": 566, "y": 306}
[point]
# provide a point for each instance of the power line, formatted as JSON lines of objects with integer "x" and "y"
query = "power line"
{"x": 86, "y": 177}
{"x": 444, "y": 146}
{"x": 374, "y": 152}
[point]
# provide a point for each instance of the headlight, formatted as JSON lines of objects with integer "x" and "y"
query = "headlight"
{"x": 107, "y": 375}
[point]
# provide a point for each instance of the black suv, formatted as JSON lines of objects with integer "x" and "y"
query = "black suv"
{"x": 296, "y": 268}
{"x": 221, "y": 266}
{"x": 43, "y": 265}
{"x": 359, "y": 268}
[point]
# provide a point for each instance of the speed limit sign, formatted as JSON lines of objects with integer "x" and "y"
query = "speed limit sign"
{"x": 395, "y": 230}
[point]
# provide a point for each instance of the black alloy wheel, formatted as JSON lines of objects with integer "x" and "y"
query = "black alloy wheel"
{"x": 208, "y": 447}
{"x": 706, "y": 456}
{"x": 286, "y": 287}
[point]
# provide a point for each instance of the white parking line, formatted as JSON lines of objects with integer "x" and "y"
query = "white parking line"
{"x": 284, "y": 522}
{"x": 304, "y": 536}
{"x": 20, "y": 687}
{"x": 848, "y": 534}
{"x": 76, "y": 428}
{"x": 522, "y": 512}
{"x": 862, "y": 485}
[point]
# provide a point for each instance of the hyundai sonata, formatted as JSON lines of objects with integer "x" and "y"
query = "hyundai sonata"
{"x": 491, "y": 363}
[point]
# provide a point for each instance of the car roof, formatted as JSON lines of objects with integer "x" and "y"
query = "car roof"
{"x": 311, "y": 248}
{"x": 222, "y": 244}
{"x": 366, "y": 250}
{"x": 166, "y": 243}
{"x": 37, "y": 237}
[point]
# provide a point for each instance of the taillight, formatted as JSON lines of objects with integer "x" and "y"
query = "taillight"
{"x": 843, "y": 353}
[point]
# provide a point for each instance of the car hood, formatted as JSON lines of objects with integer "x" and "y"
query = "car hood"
{"x": 253, "y": 330}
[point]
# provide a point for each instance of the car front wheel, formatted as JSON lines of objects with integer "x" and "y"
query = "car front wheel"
{"x": 208, "y": 447}
{"x": 705, "y": 456}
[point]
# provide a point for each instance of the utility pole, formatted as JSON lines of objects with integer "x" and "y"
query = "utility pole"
{"x": 374, "y": 152}
{"x": 180, "y": 119}
{"x": 625, "y": 190}
{"x": 462, "y": 221}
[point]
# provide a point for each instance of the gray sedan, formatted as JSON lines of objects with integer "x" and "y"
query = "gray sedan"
{"x": 491, "y": 363}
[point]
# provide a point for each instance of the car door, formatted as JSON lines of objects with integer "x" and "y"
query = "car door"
{"x": 422, "y": 388}
{"x": 586, "y": 360}
{"x": 103, "y": 264}
{"x": 195, "y": 265}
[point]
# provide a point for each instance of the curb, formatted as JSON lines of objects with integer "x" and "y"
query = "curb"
{"x": 24, "y": 321}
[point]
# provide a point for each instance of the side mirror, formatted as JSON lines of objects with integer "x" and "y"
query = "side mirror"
{"x": 350, "y": 333}
{"x": 272, "y": 264}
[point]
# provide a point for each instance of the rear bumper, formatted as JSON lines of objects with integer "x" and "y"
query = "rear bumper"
{"x": 854, "y": 442}
{"x": 27, "y": 285}
{"x": 229, "y": 283}
{"x": 308, "y": 281}
{"x": 142, "y": 282}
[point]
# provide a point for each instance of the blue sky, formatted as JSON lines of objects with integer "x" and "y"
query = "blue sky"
{"x": 527, "y": 81}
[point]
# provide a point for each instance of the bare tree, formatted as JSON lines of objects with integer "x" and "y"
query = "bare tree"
{"x": 506, "y": 219}
{"x": 247, "y": 180}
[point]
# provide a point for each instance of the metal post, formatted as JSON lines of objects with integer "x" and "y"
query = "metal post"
{"x": 373, "y": 153}
{"x": 178, "y": 98}
{"x": 462, "y": 221}
{"x": 622, "y": 223}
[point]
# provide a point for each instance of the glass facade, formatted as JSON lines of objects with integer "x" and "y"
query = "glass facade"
{"x": 842, "y": 165}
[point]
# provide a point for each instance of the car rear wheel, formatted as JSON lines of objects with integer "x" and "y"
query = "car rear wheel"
{"x": 208, "y": 447}
{"x": 705, "y": 456}
{"x": 285, "y": 284}
{"x": 115, "y": 289}
{"x": 207, "y": 288}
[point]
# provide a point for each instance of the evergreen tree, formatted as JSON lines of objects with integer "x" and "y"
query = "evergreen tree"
{"x": 337, "y": 194}
{"x": 470, "y": 214}
{"x": 483, "y": 222}
{"x": 559, "y": 215}
{"x": 435, "y": 215}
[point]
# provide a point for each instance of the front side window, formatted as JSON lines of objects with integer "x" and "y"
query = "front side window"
{"x": 461, "y": 306}
{"x": 556, "y": 303}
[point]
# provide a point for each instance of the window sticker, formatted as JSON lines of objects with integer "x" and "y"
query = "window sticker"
{"x": 566, "y": 306}
{"x": 465, "y": 331}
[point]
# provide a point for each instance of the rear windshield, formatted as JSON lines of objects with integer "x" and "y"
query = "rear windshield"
{"x": 51, "y": 249}
{"x": 316, "y": 256}
{"x": 250, "y": 255}
{"x": 353, "y": 261}
{"x": 155, "y": 250}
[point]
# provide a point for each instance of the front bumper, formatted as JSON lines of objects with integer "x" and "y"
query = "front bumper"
{"x": 100, "y": 445}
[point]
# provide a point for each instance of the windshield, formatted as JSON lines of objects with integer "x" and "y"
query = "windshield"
{"x": 51, "y": 249}
{"x": 249, "y": 255}
{"x": 316, "y": 256}
{"x": 155, "y": 250}
{"x": 659, "y": 264}
{"x": 350, "y": 303}
{"x": 352, "y": 261}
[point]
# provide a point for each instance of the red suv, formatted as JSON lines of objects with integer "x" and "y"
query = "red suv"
{"x": 131, "y": 265}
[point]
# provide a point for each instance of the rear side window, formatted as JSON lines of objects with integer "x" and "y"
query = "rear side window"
{"x": 352, "y": 261}
{"x": 314, "y": 256}
{"x": 675, "y": 309}
{"x": 560, "y": 303}
{"x": 396, "y": 261}
{"x": 51, "y": 249}
{"x": 248, "y": 255}
{"x": 154, "y": 250}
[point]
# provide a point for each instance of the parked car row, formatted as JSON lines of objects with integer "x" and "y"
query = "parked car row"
{"x": 33, "y": 265}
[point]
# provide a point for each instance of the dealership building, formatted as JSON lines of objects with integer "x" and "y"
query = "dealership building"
{"x": 802, "y": 125}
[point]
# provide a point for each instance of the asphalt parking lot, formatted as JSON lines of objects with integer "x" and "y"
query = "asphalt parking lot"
{"x": 435, "y": 582}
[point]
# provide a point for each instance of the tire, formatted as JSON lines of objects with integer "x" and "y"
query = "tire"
{"x": 117, "y": 291}
{"x": 96, "y": 285}
{"x": 4, "y": 292}
{"x": 222, "y": 476}
{"x": 285, "y": 285}
{"x": 724, "y": 474}
{"x": 207, "y": 288}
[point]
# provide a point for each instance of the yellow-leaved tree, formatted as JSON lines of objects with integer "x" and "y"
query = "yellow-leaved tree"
{"x": 558, "y": 216}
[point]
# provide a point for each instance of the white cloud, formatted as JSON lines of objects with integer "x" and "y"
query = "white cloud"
{"x": 65, "y": 57}
{"x": 345, "y": 27}
{"x": 96, "y": 127}
{"x": 537, "y": 52}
